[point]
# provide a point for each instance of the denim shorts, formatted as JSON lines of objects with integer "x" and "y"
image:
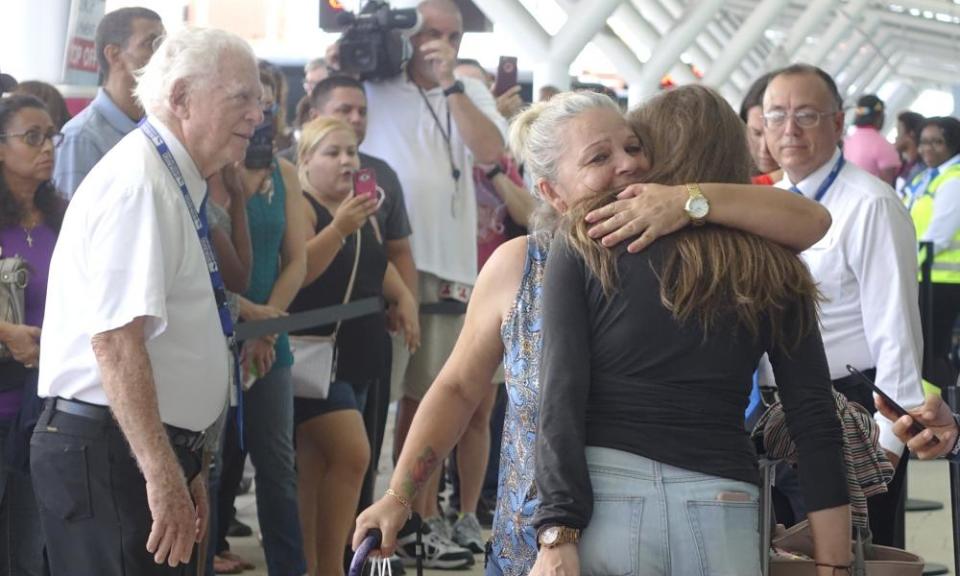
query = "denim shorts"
{"x": 342, "y": 396}
{"x": 652, "y": 519}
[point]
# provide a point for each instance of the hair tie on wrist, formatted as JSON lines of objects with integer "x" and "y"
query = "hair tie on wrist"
{"x": 835, "y": 567}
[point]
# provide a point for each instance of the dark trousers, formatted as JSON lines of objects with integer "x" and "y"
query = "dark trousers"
{"x": 946, "y": 306}
{"x": 375, "y": 411}
{"x": 93, "y": 498}
{"x": 231, "y": 474}
{"x": 886, "y": 510}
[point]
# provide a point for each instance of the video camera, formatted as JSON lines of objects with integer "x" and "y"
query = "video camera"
{"x": 376, "y": 42}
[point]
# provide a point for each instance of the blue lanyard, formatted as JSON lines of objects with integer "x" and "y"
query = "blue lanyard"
{"x": 203, "y": 233}
{"x": 831, "y": 178}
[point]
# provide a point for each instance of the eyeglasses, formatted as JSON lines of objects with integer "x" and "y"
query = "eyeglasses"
{"x": 37, "y": 137}
{"x": 803, "y": 118}
{"x": 931, "y": 142}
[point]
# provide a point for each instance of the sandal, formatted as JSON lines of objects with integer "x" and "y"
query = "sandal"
{"x": 244, "y": 564}
{"x": 223, "y": 565}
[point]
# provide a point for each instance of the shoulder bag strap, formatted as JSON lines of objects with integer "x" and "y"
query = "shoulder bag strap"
{"x": 353, "y": 277}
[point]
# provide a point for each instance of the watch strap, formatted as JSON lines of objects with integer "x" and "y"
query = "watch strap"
{"x": 695, "y": 193}
{"x": 455, "y": 88}
{"x": 954, "y": 454}
{"x": 566, "y": 535}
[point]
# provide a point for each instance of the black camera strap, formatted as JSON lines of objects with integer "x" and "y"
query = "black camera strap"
{"x": 447, "y": 135}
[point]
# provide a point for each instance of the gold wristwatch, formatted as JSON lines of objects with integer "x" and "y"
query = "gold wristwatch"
{"x": 697, "y": 206}
{"x": 553, "y": 536}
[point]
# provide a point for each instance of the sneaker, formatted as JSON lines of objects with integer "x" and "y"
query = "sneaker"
{"x": 439, "y": 553}
{"x": 467, "y": 533}
{"x": 438, "y": 525}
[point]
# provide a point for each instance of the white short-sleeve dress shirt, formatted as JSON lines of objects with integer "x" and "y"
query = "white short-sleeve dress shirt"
{"x": 128, "y": 249}
{"x": 866, "y": 268}
{"x": 443, "y": 212}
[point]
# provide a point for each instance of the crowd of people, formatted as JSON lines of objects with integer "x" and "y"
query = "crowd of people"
{"x": 620, "y": 276}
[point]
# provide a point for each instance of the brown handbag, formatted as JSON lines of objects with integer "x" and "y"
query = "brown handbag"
{"x": 870, "y": 559}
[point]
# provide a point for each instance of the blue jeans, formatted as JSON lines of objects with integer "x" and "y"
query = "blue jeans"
{"x": 653, "y": 519}
{"x": 268, "y": 422}
{"x": 21, "y": 537}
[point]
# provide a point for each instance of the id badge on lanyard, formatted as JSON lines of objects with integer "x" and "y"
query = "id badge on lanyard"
{"x": 216, "y": 280}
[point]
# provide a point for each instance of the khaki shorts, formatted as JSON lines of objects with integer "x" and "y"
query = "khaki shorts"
{"x": 411, "y": 376}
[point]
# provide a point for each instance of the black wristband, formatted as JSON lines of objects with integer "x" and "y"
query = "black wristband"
{"x": 834, "y": 567}
{"x": 455, "y": 88}
{"x": 493, "y": 172}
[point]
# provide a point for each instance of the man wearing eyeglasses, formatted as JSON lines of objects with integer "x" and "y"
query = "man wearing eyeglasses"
{"x": 865, "y": 266}
{"x": 125, "y": 41}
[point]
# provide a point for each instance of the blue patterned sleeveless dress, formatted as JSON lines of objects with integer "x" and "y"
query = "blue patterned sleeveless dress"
{"x": 514, "y": 541}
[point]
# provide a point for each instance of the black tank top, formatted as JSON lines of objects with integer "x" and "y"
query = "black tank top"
{"x": 360, "y": 349}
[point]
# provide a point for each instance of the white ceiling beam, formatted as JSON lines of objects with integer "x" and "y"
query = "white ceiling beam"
{"x": 672, "y": 45}
{"x": 743, "y": 42}
{"x": 840, "y": 26}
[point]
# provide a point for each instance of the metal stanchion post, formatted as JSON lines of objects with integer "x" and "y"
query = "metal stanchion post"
{"x": 767, "y": 468}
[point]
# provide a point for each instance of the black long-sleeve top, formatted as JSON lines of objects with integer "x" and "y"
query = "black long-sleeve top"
{"x": 622, "y": 373}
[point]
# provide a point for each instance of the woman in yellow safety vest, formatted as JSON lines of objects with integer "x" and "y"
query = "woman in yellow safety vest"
{"x": 934, "y": 201}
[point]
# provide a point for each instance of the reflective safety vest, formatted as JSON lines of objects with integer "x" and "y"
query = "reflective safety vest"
{"x": 946, "y": 264}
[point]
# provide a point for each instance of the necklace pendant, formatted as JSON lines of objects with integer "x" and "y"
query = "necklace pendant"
{"x": 29, "y": 239}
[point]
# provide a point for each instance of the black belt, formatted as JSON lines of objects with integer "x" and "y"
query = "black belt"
{"x": 179, "y": 437}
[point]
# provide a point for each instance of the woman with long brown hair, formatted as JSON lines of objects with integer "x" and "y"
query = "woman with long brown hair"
{"x": 646, "y": 371}
{"x": 600, "y": 152}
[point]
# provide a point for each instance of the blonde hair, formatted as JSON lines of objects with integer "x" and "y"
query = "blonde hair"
{"x": 696, "y": 137}
{"x": 311, "y": 135}
{"x": 535, "y": 137}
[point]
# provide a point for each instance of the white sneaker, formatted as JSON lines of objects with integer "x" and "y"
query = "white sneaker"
{"x": 438, "y": 525}
{"x": 467, "y": 533}
{"x": 439, "y": 553}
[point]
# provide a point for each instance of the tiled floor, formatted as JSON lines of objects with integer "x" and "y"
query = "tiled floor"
{"x": 928, "y": 533}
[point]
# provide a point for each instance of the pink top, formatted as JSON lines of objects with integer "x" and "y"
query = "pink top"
{"x": 868, "y": 149}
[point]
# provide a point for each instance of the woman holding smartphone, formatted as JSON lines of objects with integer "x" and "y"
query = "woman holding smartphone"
{"x": 333, "y": 451}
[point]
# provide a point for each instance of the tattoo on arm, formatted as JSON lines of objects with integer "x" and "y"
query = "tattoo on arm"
{"x": 423, "y": 467}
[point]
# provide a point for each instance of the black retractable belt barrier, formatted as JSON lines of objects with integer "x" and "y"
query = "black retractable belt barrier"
{"x": 309, "y": 319}
{"x": 333, "y": 314}
{"x": 444, "y": 308}
{"x": 950, "y": 393}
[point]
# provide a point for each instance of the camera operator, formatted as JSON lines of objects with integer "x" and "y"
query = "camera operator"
{"x": 432, "y": 129}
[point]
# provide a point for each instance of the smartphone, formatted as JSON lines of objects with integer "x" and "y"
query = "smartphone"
{"x": 506, "y": 75}
{"x": 915, "y": 428}
{"x": 365, "y": 183}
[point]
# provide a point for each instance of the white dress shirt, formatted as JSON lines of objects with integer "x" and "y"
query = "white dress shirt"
{"x": 443, "y": 212}
{"x": 128, "y": 249}
{"x": 866, "y": 268}
{"x": 946, "y": 209}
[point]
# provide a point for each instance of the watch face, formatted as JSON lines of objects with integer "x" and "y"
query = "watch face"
{"x": 550, "y": 535}
{"x": 698, "y": 207}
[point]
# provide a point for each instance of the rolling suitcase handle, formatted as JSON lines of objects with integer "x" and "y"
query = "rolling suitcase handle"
{"x": 372, "y": 541}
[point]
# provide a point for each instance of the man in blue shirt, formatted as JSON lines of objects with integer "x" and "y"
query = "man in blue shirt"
{"x": 125, "y": 41}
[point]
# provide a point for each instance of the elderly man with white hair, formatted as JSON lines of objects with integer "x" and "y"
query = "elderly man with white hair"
{"x": 136, "y": 348}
